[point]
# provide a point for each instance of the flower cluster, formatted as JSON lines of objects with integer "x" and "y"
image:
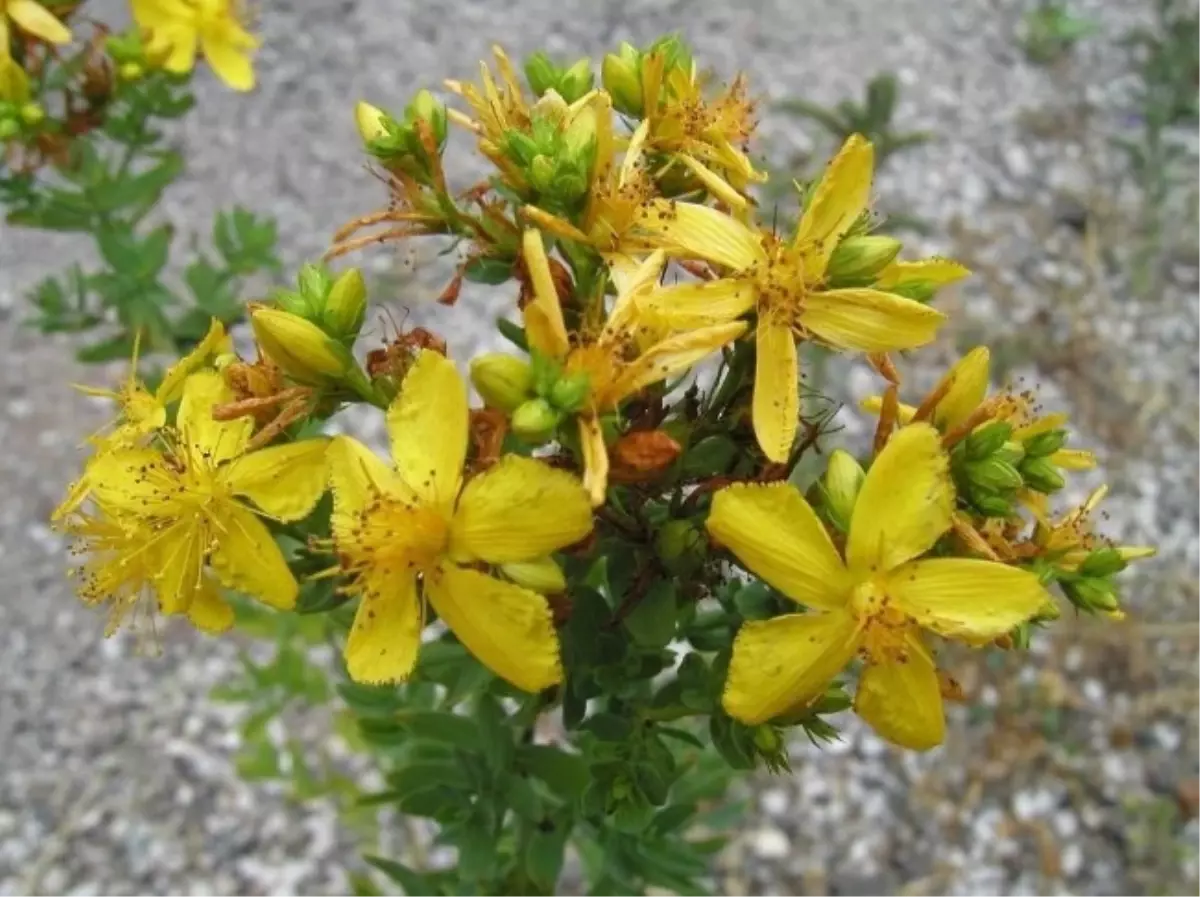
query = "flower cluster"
{"x": 624, "y": 217}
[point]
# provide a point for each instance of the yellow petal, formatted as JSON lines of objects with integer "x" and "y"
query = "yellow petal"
{"x": 1073, "y": 459}
{"x": 543, "y": 316}
{"x": 779, "y": 665}
{"x": 284, "y": 481}
{"x": 838, "y": 200}
{"x": 134, "y": 480}
{"x": 34, "y": 19}
{"x": 518, "y": 510}
{"x": 933, "y": 271}
{"x": 215, "y": 342}
{"x": 777, "y": 536}
{"x": 869, "y": 320}
{"x": 229, "y": 60}
{"x": 716, "y": 185}
{"x": 669, "y": 357}
{"x": 776, "y": 408}
{"x": 595, "y": 459}
{"x": 508, "y": 628}
{"x": 209, "y": 611}
{"x": 179, "y": 551}
{"x": 901, "y": 700}
{"x": 386, "y": 635}
{"x": 357, "y": 477}
{"x": 689, "y": 305}
{"x": 427, "y": 424}
{"x": 1040, "y": 425}
{"x": 905, "y": 504}
{"x": 246, "y": 558}
{"x": 965, "y": 598}
{"x": 632, "y": 283}
{"x": 874, "y": 404}
{"x": 208, "y": 440}
{"x": 689, "y": 230}
{"x": 178, "y": 45}
{"x": 968, "y": 385}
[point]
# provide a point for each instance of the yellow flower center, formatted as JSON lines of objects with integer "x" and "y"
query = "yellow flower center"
{"x": 392, "y": 534}
{"x": 781, "y": 285}
{"x": 884, "y": 627}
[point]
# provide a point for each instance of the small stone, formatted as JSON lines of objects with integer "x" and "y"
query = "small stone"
{"x": 769, "y": 843}
{"x": 1071, "y": 860}
{"x": 775, "y": 802}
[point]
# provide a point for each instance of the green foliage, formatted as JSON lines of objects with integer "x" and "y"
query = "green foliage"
{"x": 1050, "y": 30}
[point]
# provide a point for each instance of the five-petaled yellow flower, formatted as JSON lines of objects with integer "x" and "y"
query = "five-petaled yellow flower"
{"x": 784, "y": 282}
{"x": 631, "y": 350}
{"x": 177, "y": 28}
{"x": 875, "y": 603}
{"x": 195, "y": 503}
{"x": 34, "y": 19}
{"x": 393, "y": 526}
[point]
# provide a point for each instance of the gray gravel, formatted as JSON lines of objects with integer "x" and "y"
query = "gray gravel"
{"x": 116, "y": 774}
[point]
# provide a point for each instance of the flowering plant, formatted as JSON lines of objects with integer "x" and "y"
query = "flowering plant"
{"x": 565, "y": 612}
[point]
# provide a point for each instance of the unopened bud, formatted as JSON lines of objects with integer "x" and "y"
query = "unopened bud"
{"x": 535, "y": 420}
{"x": 993, "y": 475}
{"x": 1092, "y": 593}
{"x": 504, "y": 381}
{"x": 371, "y": 121}
{"x": 9, "y": 127}
{"x": 570, "y": 392}
{"x": 32, "y": 114}
{"x": 428, "y": 108}
{"x": 767, "y": 740}
{"x": 860, "y": 258}
{"x": 541, "y": 174}
{"x": 542, "y": 575}
{"x": 541, "y": 73}
{"x": 840, "y": 486}
{"x": 346, "y": 305}
{"x": 131, "y": 71}
{"x": 300, "y": 348}
{"x": 1103, "y": 562}
{"x": 992, "y": 505}
{"x": 987, "y": 439}
{"x": 1012, "y": 452}
{"x": 1045, "y": 443}
{"x": 314, "y": 283}
{"x": 642, "y": 455}
{"x": 577, "y": 80}
{"x": 1041, "y": 475}
{"x": 295, "y": 303}
{"x": 621, "y": 76}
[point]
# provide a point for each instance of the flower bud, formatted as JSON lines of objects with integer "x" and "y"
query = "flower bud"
{"x": 570, "y": 392}
{"x": 676, "y": 51}
{"x": 993, "y": 475}
{"x": 504, "y": 381}
{"x": 541, "y": 174}
{"x": 1092, "y": 594}
{"x": 992, "y": 505}
{"x": 1044, "y": 444}
{"x": 535, "y": 420}
{"x": 346, "y": 305}
{"x": 1041, "y": 475}
{"x": 987, "y": 440}
{"x": 861, "y": 258}
{"x": 542, "y": 576}
{"x": 767, "y": 740}
{"x": 681, "y": 546}
{"x": 294, "y": 303}
{"x": 131, "y": 71}
{"x": 1012, "y": 452}
{"x": 622, "y": 78}
{"x": 371, "y": 121}
{"x": 1103, "y": 562}
{"x": 300, "y": 348}
{"x": 840, "y": 487}
{"x": 541, "y": 73}
{"x": 314, "y": 283}
{"x": 428, "y": 108}
{"x": 9, "y": 128}
{"x": 32, "y": 114}
{"x": 576, "y": 81}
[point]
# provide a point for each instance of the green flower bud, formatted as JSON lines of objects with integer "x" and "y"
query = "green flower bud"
{"x": 9, "y": 128}
{"x": 681, "y": 546}
{"x": 535, "y": 420}
{"x": 1092, "y": 594}
{"x": 622, "y": 78}
{"x": 992, "y": 505}
{"x": 504, "y": 381}
{"x": 987, "y": 439}
{"x": 346, "y": 305}
{"x": 372, "y": 122}
{"x": 570, "y": 392}
{"x": 1103, "y": 562}
{"x": 541, "y": 73}
{"x": 1045, "y": 443}
{"x": 577, "y": 80}
{"x": 541, "y": 174}
{"x": 300, "y": 348}
{"x": 860, "y": 258}
{"x": 32, "y": 114}
{"x": 993, "y": 475}
{"x": 131, "y": 71}
{"x": 428, "y": 108}
{"x": 294, "y": 303}
{"x": 840, "y": 487}
{"x": 678, "y": 54}
{"x": 1012, "y": 452}
{"x": 314, "y": 282}
{"x": 767, "y": 740}
{"x": 1041, "y": 475}
{"x": 546, "y": 373}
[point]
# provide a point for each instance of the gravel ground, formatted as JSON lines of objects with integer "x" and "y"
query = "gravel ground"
{"x": 1075, "y": 773}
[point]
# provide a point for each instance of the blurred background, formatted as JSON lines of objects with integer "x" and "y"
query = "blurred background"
{"x": 1050, "y": 147}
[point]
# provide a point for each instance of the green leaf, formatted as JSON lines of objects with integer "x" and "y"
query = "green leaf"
{"x": 257, "y": 760}
{"x": 448, "y": 728}
{"x": 476, "y": 851}
{"x": 413, "y": 883}
{"x": 652, "y": 622}
{"x": 513, "y": 332}
{"x": 145, "y": 189}
{"x": 709, "y": 457}
{"x": 565, "y": 774}
{"x": 119, "y": 346}
{"x": 608, "y": 726}
{"x": 544, "y": 854}
{"x": 491, "y": 271}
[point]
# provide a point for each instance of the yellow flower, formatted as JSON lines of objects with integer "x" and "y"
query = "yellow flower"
{"x": 196, "y": 502}
{"x": 783, "y": 281}
{"x": 630, "y": 351}
{"x": 498, "y": 107}
{"x": 416, "y": 520}
{"x": 1071, "y": 538}
{"x": 14, "y": 83}
{"x": 876, "y": 602}
{"x": 178, "y": 27}
{"x": 32, "y": 18}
